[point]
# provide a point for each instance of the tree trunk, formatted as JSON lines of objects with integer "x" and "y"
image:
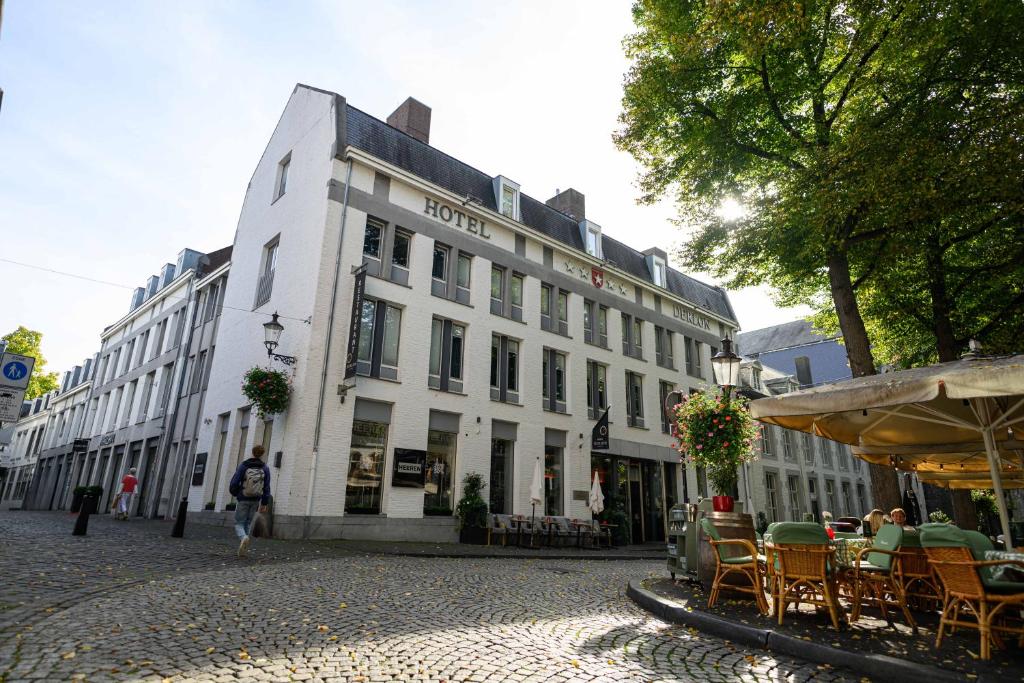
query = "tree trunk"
{"x": 885, "y": 490}
{"x": 942, "y": 325}
{"x": 964, "y": 512}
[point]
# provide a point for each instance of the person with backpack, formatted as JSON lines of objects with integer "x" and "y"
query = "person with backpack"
{"x": 251, "y": 488}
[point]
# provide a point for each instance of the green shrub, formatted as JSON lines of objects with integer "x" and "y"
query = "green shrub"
{"x": 472, "y": 509}
{"x": 940, "y": 517}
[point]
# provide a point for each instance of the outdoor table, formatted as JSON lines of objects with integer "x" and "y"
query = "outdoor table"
{"x": 519, "y": 521}
{"x": 1006, "y": 572}
{"x": 847, "y": 549}
{"x": 579, "y": 526}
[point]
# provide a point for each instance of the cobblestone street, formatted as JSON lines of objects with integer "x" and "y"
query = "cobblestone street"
{"x": 130, "y": 603}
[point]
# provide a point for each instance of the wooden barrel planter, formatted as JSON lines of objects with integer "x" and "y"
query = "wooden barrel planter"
{"x": 729, "y": 525}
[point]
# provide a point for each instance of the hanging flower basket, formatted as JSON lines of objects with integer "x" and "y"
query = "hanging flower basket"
{"x": 716, "y": 433}
{"x": 267, "y": 389}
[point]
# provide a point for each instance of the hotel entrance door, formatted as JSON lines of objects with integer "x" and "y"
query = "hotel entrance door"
{"x": 637, "y": 487}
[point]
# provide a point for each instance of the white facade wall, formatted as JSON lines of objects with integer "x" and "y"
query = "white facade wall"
{"x": 19, "y": 459}
{"x": 308, "y": 223}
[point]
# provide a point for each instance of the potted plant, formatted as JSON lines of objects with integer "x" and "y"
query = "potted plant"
{"x": 716, "y": 432}
{"x": 267, "y": 389}
{"x": 77, "y": 495}
{"x": 472, "y": 511}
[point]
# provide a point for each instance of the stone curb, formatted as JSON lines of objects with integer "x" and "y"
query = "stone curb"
{"x": 485, "y": 556}
{"x": 877, "y": 667}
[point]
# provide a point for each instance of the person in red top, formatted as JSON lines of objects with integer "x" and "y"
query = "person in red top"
{"x": 124, "y": 499}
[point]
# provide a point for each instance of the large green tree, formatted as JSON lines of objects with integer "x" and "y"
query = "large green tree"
{"x": 27, "y": 342}
{"x": 811, "y": 113}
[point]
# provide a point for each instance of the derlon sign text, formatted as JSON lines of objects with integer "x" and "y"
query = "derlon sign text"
{"x": 460, "y": 219}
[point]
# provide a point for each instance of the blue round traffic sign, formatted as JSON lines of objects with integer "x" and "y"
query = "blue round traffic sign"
{"x": 15, "y": 370}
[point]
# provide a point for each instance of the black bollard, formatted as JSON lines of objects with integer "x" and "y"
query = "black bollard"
{"x": 179, "y": 523}
{"x": 82, "y": 523}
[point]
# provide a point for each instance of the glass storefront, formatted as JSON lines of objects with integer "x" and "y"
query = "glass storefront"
{"x": 637, "y": 494}
{"x": 501, "y": 476}
{"x": 553, "y": 480}
{"x": 437, "y": 492}
{"x": 366, "y": 467}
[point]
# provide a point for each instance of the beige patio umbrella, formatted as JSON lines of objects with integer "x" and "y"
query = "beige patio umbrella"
{"x": 963, "y": 411}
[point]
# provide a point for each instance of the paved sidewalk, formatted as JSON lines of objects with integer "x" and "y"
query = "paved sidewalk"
{"x": 129, "y": 603}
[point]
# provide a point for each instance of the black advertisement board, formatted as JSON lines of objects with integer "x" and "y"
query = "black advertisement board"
{"x": 199, "y": 469}
{"x": 410, "y": 468}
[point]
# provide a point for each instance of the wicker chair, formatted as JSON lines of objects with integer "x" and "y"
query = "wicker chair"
{"x": 876, "y": 576}
{"x": 804, "y": 568}
{"x": 748, "y": 565}
{"x": 921, "y": 586}
{"x": 970, "y": 589}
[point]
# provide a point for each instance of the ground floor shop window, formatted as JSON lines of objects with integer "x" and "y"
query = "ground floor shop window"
{"x": 501, "y": 476}
{"x": 437, "y": 493}
{"x": 552, "y": 480}
{"x": 366, "y": 467}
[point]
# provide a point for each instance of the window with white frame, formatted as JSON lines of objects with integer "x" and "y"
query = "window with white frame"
{"x": 553, "y": 364}
{"x": 808, "y": 442}
{"x": 771, "y": 495}
{"x": 379, "y": 329}
{"x": 447, "y": 344}
{"x": 282, "y": 176}
{"x": 268, "y": 266}
{"x": 506, "y": 195}
{"x": 664, "y": 341}
{"x": 795, "y": 508}
{"x": 504, "y": 369}
{"x": 767, "y": 447}
{"x": 597, "y": 389}
{"x": 634, "y": 399}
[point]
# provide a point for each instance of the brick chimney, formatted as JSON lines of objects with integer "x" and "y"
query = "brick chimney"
{"x": 569, "y": 202}
{"x": 413, "y": 118}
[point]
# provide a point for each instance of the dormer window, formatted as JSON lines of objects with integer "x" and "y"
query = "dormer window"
{"x": 506, "y": 196}
{"x": 658, "y": 266}
{"x": 591, "y": 234}
{"x": 659, "y": 273}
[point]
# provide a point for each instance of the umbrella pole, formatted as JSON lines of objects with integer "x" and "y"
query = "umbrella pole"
{"x": 996, "y": 469}
{"x": 533, "y": 515}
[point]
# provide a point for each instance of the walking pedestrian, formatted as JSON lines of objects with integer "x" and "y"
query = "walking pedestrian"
{"x": 124, "y": 497}
{"x": 251, "y": 488}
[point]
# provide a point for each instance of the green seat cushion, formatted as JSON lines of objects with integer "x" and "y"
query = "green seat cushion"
{"x": 865, "y": 565}
{"x": 847, "y": 534}
{"x": 994, "y": 586}
{"x": 889, "y": 537}
{"x": 743, "y": 559}
{"x": 943, "y": 536}
{"x": 911, "y": 538}
{"x": 979, "y": 543}
{"x": 799, "y": 533}
{"x": 709, "y": 529}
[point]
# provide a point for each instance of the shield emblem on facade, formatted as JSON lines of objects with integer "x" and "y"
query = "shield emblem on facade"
{"x": 597, "y": 277}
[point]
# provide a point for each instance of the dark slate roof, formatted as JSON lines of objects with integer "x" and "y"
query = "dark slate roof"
{"x": 389, "y": 144}
{"x": 215, "y": 259}
{"x": 784, "y": 336}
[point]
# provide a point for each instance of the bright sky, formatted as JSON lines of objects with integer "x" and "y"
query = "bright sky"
{"x": 129, "y": 130}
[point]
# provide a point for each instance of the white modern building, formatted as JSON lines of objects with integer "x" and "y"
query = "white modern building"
{"x": 52, "y": 487}
{"x": 798, "y": 473}
{"x": 140, "y": 398}
{"x": 493, "y": 330}
{"x": 18, "y": 461}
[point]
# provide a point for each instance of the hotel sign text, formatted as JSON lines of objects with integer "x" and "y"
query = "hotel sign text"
{"x": 461, "y": 219}
{"x": 688, "y": 316}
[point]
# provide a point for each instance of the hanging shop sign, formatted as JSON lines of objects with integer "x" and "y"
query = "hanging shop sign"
{"x": 359, "y": 286}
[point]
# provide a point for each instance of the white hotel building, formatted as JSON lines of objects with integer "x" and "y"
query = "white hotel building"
{"x": 495, "y": 329}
